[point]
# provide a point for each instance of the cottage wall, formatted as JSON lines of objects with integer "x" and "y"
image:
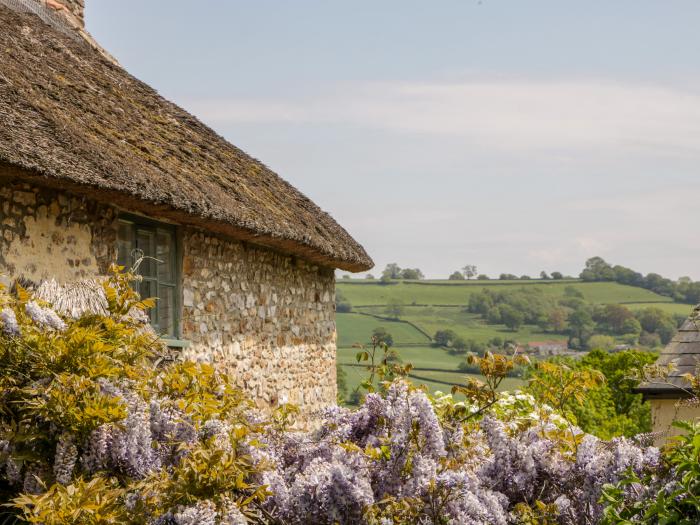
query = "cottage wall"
{"x": 665, "y": 411}
{"x": 269, "y": 318}
{"x": 266, "y": 318}
{"x": 45, "y": 234}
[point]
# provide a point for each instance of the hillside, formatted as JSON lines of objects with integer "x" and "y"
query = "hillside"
{"x": 421, "y": 308}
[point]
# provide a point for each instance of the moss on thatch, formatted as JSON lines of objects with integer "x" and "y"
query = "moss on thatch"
{"x": 72, "y": 119}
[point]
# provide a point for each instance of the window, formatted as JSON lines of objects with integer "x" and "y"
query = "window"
{"x": 155, "y": 245}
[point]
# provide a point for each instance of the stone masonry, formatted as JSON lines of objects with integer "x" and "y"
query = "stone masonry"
{"x": 270, "y": 318}
{"x": 45, "y": 234}
{"x": 266, "y": 318}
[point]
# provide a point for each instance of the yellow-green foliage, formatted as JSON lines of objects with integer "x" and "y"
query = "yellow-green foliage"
{"x": 53, "y": 394}
{"x": 98, "y": 501}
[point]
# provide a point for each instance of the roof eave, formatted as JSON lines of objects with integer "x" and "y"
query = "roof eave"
{"x": 164, "y": 211}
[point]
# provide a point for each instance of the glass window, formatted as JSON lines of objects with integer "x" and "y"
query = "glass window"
{"x": 150, "y": 248}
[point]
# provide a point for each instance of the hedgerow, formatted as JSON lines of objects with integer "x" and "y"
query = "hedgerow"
{"x": 96, "y": 427}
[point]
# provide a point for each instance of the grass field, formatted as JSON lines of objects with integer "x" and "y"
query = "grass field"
{"x": 421, "y": 358}
{"x": 356, "y": 328}
{"x": 671, "y": 308}
{"x": 433, "y": 293}
{"x": 439, "y": 305}
{"x": 469, "y": 326}
{"x": 434, "y": 381}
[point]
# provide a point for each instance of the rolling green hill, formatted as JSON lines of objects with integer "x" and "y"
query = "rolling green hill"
{"x": 428, "y": 306}
{"x": 363, "y": 293}
{"x": 356, "y": 328}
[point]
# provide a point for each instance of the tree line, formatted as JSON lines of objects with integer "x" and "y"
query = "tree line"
{"x": 683, "y": 290}
{"x": 572, "y": 315}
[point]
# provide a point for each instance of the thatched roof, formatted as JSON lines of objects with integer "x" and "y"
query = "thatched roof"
{"x": 72, "y": 119}
{"x": 684, "y": 352}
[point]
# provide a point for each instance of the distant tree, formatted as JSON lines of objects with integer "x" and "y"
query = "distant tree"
{"x": 601, "y": 342}
{"x": 469, "y": 271}
{"x": 392, "y": 271}
{"x": 525, "y": 277}
{"x": 342, "y": 305}
{"x": 650, "y": 340}
{"x": 544, "y": 276}
{"x": 480, "y": 302}
{"x": 666, "y": 331}
{"x": 444, "y": 337}
{"x": 653, "y": 318}
{"x": 542, "y": 321}
{"x": 572, "y": 291}
{"x": 456, "y": 276}
{"x": 512, "y": 318}
{"x": 342, "y": 382}
{"x": 613, "y": 317}
{"x": 557, "y": 319}
{"x": 597, "y": 270}
{"x": 346, "y": 276}
{"x": 493, "y": 316}
{"x": 483, "y": 277}
{"x": 369, "y": 276}
{"x": 628, "y": 276}
{"x": 496, "y": 342}
{"x": 381, "y": 335}
{"x": 460, "y": 345}
{"x": 411, "y": 274}
{"x": 581, "y": 326}
{"x": 508, "y": 277}
{"x": 395, "y": 309}
{"x": 355, "y": 398}
{"x": 557, "y": 276}
{"x": 659, "y": 284}
{"x": 477, "y": 347}
{"x": 632, "y": 327}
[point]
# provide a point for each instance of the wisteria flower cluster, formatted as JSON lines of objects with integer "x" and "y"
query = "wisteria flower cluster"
{"x": 92, "y": 427}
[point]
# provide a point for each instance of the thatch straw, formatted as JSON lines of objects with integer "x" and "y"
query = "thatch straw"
{"x": 76, "y": 121}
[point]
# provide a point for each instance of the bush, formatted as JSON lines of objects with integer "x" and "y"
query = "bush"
{"x": 444, "y": 337}
{"x": 93, "y": 432}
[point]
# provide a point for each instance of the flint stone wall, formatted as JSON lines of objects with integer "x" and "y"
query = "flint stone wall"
{"x": 266, "y": 318}
{"x": 270, "y": 318}
{"x": 45, "y": 234}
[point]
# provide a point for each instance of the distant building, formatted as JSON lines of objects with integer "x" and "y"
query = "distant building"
{"x": 546, "y": 348}
{"x": 672, "y": 401}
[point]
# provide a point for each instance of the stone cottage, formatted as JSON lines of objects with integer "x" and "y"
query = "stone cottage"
{"x": 96, "y": 167}
{"x": 671, "y": 399}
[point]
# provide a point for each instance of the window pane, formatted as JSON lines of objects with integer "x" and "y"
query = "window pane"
{"x": 145, "y": 243}
{"x": 125, "y": 244}
{"x": 166, "y": 310}
{"x": 165, "y": 251}
{"x": 147, "y": 289}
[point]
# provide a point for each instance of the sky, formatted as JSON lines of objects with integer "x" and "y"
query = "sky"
{"x": 516, "y": 136}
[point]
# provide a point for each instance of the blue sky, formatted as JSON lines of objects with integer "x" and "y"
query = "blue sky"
{"x": 517, "y": 136}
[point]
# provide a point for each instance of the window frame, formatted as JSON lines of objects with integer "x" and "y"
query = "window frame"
{"x": 138, "y": 222}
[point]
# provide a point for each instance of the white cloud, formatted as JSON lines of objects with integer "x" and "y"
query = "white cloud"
{"x": 596, "y": 115}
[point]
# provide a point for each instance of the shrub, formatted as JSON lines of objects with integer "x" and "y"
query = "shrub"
{"x": 93, "y": 432}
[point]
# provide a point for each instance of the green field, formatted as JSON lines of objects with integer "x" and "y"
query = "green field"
{"x": 357, "y": 328}
{"x": 466, "y": 325}
{"x": 419, "y": 357}
{"x": 429, "y": 306}
{"x": 671, "y": 308}
{"x": 442, "y": 370}
{"x": 448, "y": 293}
{"x": 442, "y": 381}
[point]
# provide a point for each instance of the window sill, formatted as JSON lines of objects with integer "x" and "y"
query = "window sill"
{"x": 176, "y": 343}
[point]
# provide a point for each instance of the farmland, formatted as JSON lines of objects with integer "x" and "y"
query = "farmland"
{"x": 425, "y": 307}
{"x": 362, "y": 293}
